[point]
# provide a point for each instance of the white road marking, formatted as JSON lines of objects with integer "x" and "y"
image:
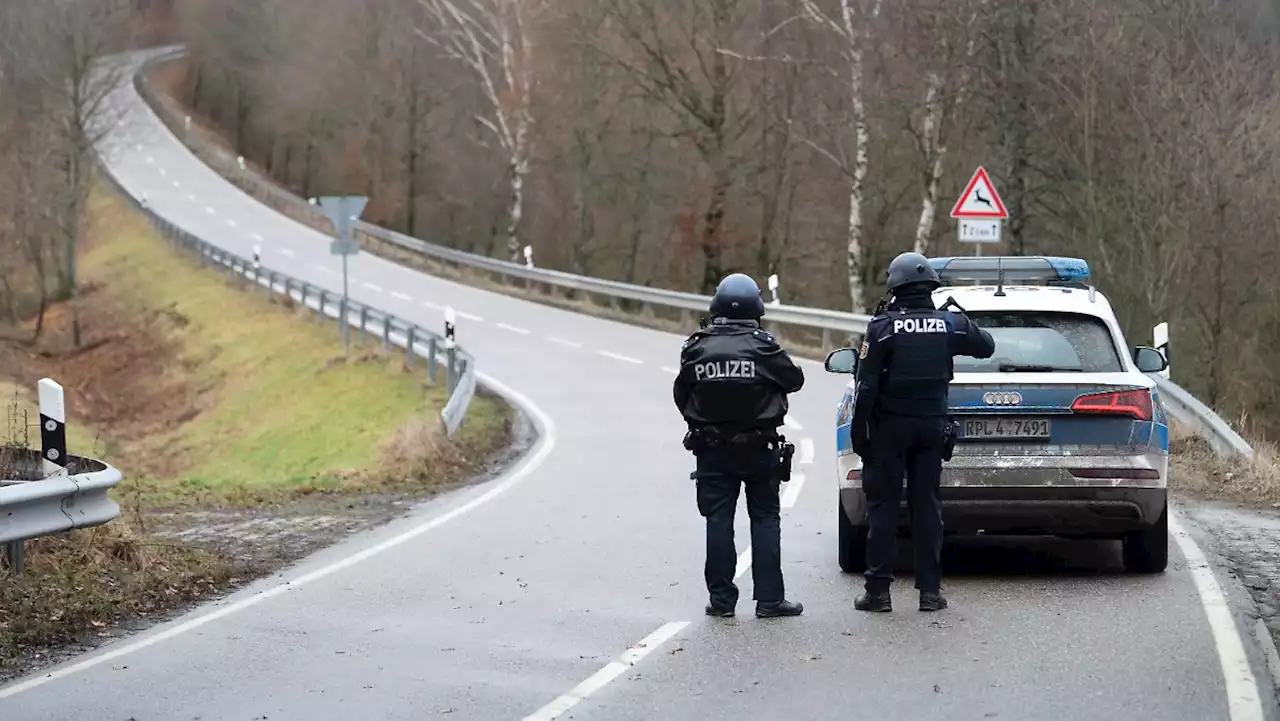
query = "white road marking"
{"x": 163, "y": 171}
{"x": 1243, "y": 698}
{"x": 191, "y": 196}
{"x": 176, "y": 184}
{"x": 518, "y": 474}
{"x": 327, "y": 271}
{"x": 231, "y": 222}
{"x": 150, "y": 160}
{"x": 468, "y": 316}
{"x": 286, "y": 251}
{"x": 401, "y": 296}
{"x": 744, "y": 562}
{"x": 792, "y": 490}
{"x": 672, "y": 371}
{"x": 209, "y": 209}
{"x": 564, "y": 342}
{"x": 260, "y": 239}
{"x": 433, "y": 306}
{"x": 512, "y": 328}
{"x": 372, "y": 287}
{"x": 614, "y": 669}
{"x": 792, "y": 424}
{"x": 805, "y": 451}
{"x": 618, "y": 356}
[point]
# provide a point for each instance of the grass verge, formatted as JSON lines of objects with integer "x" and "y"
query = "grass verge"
{"x": 246, "y": 438}
{"x": 1196, "y": 470}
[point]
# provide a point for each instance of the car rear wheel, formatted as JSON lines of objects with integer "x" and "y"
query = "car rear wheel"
{"x": 853, "y": 543}
{"x": 1147, "y": 551}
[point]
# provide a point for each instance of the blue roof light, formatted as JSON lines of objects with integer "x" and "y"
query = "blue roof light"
{"x": 1014, "y": 268}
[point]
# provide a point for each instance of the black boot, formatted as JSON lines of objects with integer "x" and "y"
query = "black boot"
{"x": 932, "y": 601}
{"x": 714, "y": 609}
{"x": 778, "y": 608}
{"x": 878, "y": 602}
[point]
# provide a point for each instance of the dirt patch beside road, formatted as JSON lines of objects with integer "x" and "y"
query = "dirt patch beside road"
{"x": 246, "y": 438}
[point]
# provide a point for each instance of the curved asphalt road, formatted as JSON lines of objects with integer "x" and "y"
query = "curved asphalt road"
{"x": 510, "y": 600}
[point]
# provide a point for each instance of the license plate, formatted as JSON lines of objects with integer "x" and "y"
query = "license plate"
{"x": 979, "y": 429}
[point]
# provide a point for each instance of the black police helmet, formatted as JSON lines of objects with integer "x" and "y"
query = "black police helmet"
{"x": 737, "y": 297}
{"x": 909, "y": 269}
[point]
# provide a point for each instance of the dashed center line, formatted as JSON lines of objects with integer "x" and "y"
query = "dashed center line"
{"x": 150, "y": 160}
{"x": 672, "y": 371}
{"x": 792, "y": 424}
{"x": 806, "y": 450}
{"x": 209, "y": 209}
{"x": 468, "y": 316}
{"x": 260, "y": 239}
{"x": 163, "y": 171}
{"x": 372, "y": 287}
{"x": 512, "y": 328}
{"x": 564, "y": 342}
{"x": 399, "y": 295}
{"x": 791, "y": 489}
{"x": 618, "y": 356}
{"x": 327, "y": 271}
{"x": 432, "y": 306}
{"x": 191, "y": 196}
{"x": 176, "y": 184}
{"x": 286, "y": 251}
{"x": 231, "y": 222}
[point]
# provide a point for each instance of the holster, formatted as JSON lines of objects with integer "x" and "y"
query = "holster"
{"x": 785, "y": 452}
{"x": 950, "y": 436}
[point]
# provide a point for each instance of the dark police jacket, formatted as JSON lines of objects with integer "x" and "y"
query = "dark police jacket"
{"x": 905, "y": 364}
{"x": 734, "y": 377}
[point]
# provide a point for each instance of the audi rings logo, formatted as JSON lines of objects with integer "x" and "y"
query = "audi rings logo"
{"x": 1002, "y": 399}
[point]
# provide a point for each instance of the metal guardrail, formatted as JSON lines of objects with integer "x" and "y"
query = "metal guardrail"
{"x": 31, "y": 506}
{"x": 1179, "y": 402}
{"x": 417, "y": 341}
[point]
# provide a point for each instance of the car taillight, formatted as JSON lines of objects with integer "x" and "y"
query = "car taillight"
{"x": 854, "y": 474}
{"x": 1135, "y": 404}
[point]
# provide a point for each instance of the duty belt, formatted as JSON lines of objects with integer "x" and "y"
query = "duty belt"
{"x": 707, "y": 438}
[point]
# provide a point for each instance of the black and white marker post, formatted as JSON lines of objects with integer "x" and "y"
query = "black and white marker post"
{"x": 773, "y": 288}
{"x": 257, "y": 263}
{"x": 1160, "y": 338}
{"x": 450, "y": 347}
{"x": 53, "y": 428}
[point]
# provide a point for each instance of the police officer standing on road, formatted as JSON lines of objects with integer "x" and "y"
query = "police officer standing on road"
{"x": 732, "y": 391}
{"x": 901, "y": 424}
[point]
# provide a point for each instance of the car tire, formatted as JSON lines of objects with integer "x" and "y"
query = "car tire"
{"x": 853, "y": 543}
{"x": 1147, "y": 551}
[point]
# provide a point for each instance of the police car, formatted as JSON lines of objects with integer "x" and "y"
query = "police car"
{"x": 1062, "y": 432}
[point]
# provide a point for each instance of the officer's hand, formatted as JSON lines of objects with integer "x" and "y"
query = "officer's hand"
{"x": 862, "y": 441}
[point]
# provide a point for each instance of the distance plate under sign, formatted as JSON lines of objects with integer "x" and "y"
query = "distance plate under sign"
{"x": 979, "y": 231}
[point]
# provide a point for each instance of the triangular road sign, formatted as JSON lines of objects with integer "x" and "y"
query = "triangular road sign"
{"x": 980, "y": 199}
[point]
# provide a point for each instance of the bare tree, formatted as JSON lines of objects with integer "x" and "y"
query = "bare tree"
{"x": 493, "y": 40}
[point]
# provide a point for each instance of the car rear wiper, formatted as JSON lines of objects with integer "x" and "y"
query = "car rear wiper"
{"x": 1015, "y": 368}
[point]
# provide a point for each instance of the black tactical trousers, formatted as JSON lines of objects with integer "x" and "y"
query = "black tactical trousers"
{"x": 903, "y": 444}
{"x": 719, "y": 476}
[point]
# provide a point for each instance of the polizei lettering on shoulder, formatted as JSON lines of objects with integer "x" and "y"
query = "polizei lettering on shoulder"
{"x": 716, "y": 370}
{"x": 919, "y": 325}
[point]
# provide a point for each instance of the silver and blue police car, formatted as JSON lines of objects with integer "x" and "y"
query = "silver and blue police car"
{"x": 1062, "y": 432}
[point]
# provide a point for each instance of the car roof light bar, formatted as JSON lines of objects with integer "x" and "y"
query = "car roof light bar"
{"x": 1019, "y": 269}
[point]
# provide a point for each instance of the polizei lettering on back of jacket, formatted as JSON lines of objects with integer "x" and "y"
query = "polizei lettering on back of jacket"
{"x": 723, "y": 369}
{"x": 919, "y": 325}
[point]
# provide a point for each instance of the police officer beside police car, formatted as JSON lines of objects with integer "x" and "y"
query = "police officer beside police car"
{"x": 732, "y": 390}
{"x": 901, "y": 424}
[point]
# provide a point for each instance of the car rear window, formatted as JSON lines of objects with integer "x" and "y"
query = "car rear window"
{"x": 1061, "y": 340}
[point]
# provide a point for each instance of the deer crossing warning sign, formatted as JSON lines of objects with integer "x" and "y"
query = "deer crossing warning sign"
{"x": 980, "y": 201}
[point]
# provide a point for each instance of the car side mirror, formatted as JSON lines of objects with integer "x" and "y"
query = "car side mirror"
{"x": 1149, "y": 360}
{"x": 842, "y": 360}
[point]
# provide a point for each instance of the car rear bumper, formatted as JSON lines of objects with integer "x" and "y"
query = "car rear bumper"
{"x": 1032, "y": 495}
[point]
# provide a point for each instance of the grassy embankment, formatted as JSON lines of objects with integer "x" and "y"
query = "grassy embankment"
{"x": 208, "y": 396}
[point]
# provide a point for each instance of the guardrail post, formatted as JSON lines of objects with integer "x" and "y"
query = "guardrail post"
{"x": 431, "y": 361}
{"x": 386, "y": 332}
{"x": 364, "y": 316}
{"x": 408, "y": 345}
{"x": 15, "y": 556}
{"x": 826, "y": 340}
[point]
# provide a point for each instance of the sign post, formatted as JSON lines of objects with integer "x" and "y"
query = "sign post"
{"x": 980, "y": 212}
{"x": 342, "y": 209}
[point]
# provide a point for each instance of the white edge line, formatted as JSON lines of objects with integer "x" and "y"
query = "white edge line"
{"x": 792, "y": 491}
{"x": 1268, "y": 644}
{"x": 806, "y": 451}
{"x": 612, "y": 670}
{"x": 546, "y": 442}
{"x": 1243, "y": 700}
{"x": 620, "y": 357}
{"x": 791, "y": 423}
